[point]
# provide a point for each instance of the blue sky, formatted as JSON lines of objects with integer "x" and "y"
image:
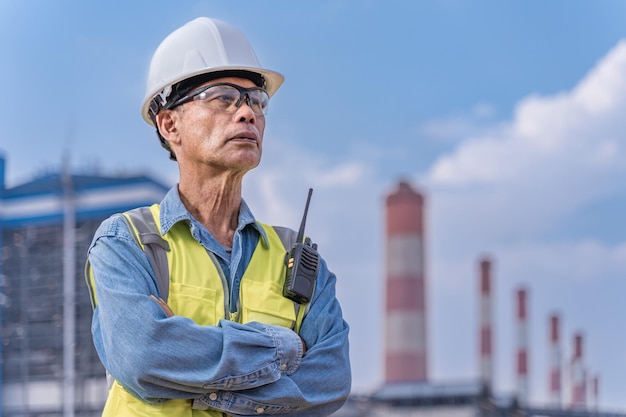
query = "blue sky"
{"x": 507, "y": 115}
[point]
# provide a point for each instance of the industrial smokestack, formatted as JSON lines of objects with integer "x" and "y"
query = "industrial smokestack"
{"x": 578, "y": 373}
{"x": 485, "y": 323}
{"x": 406, "y": 347}
{"x": 555, "y": 363}
{"x": 522, "y": 346}
{"x": 594, "y": 382}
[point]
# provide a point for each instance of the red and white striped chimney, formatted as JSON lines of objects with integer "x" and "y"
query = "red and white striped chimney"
{"x": 522, "y": 346}
{"x": 594, "y": 401}
{"x": 485, "y": 323}
{"x": 578, "y": 373}
{"x": 406, "y": 347}
{"x": 555, "y": 363}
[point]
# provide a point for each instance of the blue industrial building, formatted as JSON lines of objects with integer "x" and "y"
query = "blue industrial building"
{"x": 49, "y": 365}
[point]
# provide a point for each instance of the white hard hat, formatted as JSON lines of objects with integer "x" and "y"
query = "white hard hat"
{"x": 201, "y": 47}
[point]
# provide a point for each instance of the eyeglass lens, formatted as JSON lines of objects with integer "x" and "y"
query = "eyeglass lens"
{"x": 228, "y": 98}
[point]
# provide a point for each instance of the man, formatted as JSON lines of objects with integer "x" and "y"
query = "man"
{"x": 220, "y": 336}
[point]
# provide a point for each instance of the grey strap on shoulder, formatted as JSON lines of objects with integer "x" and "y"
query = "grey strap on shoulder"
{"x": 287, "y": 236}
{"x": 154, "y": 246}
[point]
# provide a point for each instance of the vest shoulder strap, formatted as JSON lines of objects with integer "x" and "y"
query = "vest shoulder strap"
{"x": 286, "y": 235}
{"x": 142, "y": 225}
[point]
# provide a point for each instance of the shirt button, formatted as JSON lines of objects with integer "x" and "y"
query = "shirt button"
{"x": 283, "y": 367}
{"x": 260, "y": 410}
{"x": 212, "y": 396}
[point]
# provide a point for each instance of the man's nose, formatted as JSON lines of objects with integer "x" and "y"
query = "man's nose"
{"x": 246, "y": 113}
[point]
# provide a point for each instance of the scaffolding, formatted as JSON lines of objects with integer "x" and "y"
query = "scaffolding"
{"x": 50, "y": 367}
{"x": 36, "y": 350}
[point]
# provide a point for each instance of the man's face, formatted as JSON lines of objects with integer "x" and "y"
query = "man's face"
{"x": 205, "y": 137}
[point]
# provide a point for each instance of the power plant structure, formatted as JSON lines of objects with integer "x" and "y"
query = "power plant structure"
{"x": 49, "y": 365}
{"x": 407, "y": 390}
{"x": 50, "y": 368}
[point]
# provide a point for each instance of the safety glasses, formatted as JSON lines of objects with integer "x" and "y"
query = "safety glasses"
{"x": 227, "y": 97}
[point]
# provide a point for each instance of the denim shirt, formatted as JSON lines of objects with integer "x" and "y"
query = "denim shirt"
{"x": 232, "y": 367}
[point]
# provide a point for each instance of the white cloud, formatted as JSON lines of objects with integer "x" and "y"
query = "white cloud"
{"x": 279, "y": 185}
{"x": 505, "y": 191}
{"x": 558, "y": 154}
{"x": 346, "y": 174}
{"x": 564, "y": 129}
{"x": 461, "y": 125}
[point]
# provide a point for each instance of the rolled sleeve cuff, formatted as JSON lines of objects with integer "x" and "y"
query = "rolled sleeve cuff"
{"x": 288, "y": 348}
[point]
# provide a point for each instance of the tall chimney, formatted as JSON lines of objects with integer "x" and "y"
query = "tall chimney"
{"x": 406, "y": 347}
{"x": 522, "y": 346}
{"x": 578, "y": 373}
{"x": 485, "y": 323}
{"x": 555, "y": 363}
{"x": 595, "y": 388}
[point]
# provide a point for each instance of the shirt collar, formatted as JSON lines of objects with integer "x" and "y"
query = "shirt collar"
{"x": 173, "y": 211}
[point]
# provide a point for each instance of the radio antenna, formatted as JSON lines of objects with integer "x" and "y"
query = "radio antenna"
{"x": 303, "y": 223}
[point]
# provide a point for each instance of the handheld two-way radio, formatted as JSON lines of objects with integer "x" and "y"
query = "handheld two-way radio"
{"x": 303, "y": 263}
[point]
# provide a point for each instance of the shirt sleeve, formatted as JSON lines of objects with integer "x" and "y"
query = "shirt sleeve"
{"x": 156, "y": 357}
{"x": 322, "y": 382}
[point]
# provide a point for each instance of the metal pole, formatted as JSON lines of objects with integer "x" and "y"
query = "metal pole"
{"x": 69, "y": 292}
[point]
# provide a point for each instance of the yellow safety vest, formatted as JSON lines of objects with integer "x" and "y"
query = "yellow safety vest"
{"x": 196, "y": 291}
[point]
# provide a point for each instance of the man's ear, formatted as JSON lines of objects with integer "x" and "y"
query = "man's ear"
{"x": 166, "y": 123}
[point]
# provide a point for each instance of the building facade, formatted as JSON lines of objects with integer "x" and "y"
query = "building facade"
{"x": 49, "y": 365}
